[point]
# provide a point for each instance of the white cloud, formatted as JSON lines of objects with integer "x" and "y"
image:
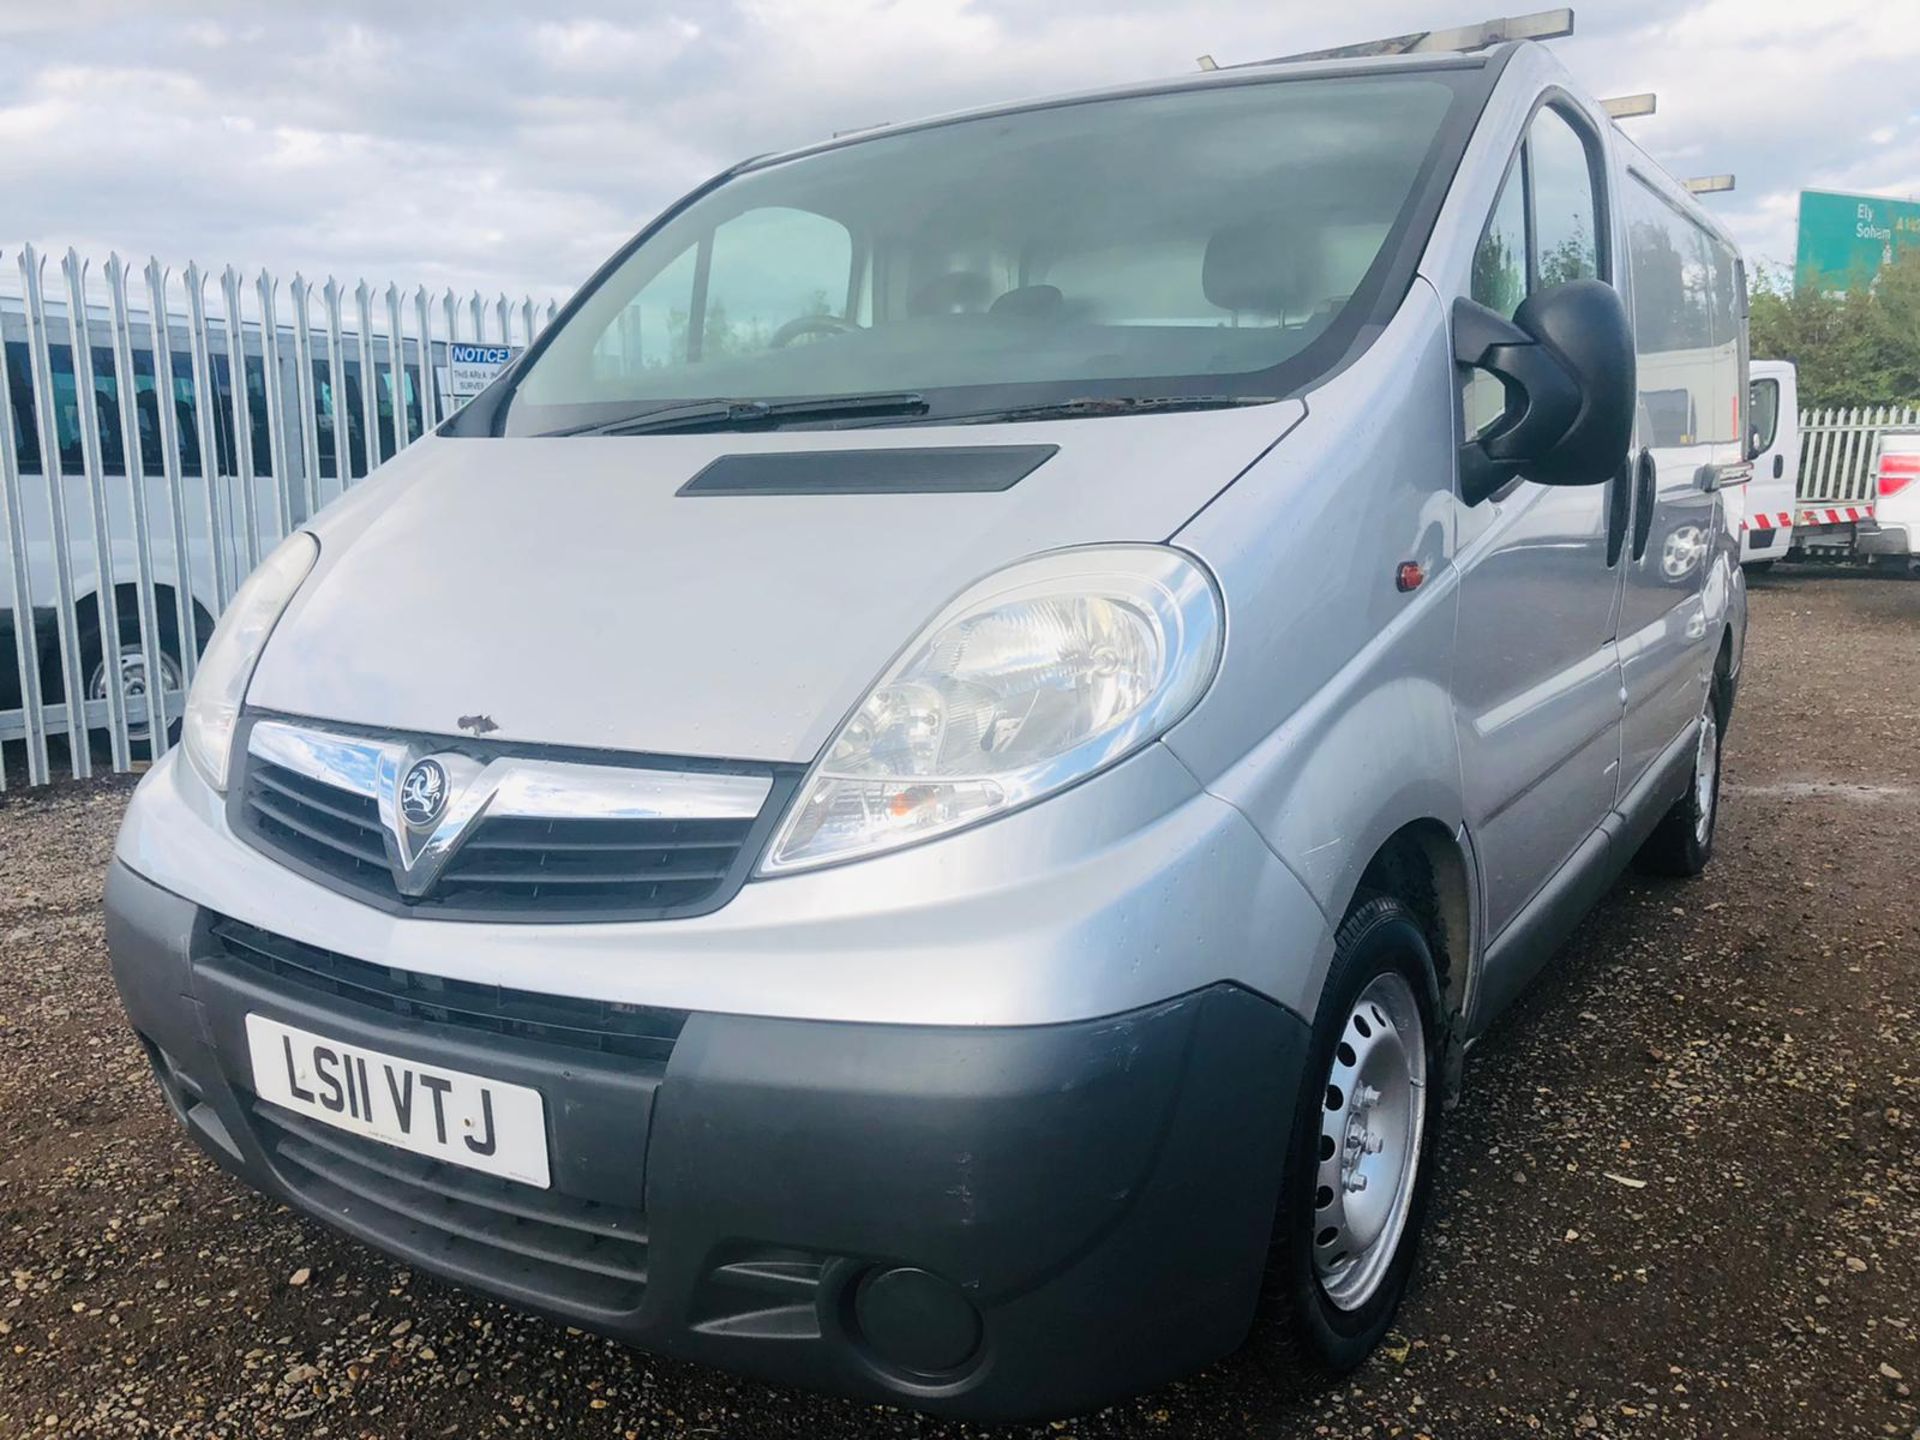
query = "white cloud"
{"x": 511, "y": 147}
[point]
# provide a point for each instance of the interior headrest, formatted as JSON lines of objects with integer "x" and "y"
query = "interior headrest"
{"x": 1029, "y": 302}
{"x": 1255, "y": 264}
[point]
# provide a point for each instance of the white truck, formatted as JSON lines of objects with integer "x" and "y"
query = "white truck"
{"x": 1838, "y": 484}
{"x": 1858, "y": 495}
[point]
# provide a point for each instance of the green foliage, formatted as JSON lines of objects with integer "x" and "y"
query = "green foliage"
{"x": 1499, "y": 275}
{"x": 1857, "y": 347}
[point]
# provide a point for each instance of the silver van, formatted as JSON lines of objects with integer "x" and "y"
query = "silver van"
{"x": 924, "y": 798}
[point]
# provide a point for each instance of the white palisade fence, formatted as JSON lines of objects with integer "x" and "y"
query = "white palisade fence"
{"x": 159, "y": 432}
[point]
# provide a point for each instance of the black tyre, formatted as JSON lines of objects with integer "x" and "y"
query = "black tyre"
{"x": 1359, "y": 1163}
{"x": 134, "y": 680}
{"x": 1682, "y": 843}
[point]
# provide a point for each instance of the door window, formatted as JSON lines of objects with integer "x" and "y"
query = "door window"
{"x": 1765, "y": 403}
{"x": 1565, "y": 231}
{"x": 1544, "y": 230}
{"x": 1500, "y": 259}
{"x": 772, "y": 268}
{"x": 650, "y": 332}
{"x": 758, "y": 277}
{"x": 1499, "y": 283}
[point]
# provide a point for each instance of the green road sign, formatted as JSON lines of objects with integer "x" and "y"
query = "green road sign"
{"x": 1844, "y": 238}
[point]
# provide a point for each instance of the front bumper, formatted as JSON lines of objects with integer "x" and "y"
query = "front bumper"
{"x": 990, "y": 1221}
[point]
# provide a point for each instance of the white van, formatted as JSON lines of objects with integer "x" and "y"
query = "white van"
{"x": 924, "y": 798}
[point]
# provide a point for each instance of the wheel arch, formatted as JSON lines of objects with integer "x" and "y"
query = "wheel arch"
{"x": 1428, "y": 866}
{"x": 86, "y": 610}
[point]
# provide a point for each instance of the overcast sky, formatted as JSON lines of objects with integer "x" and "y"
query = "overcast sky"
{"x": 513, "y": 145}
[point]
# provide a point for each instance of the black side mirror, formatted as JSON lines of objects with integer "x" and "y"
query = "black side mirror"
{"x": 1567, "y": 362}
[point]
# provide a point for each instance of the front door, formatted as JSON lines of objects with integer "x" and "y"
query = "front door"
{"x": 1766, "y": 531}
{"x": 1536, "y": 678}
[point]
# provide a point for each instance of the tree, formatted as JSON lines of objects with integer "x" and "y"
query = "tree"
{"x": 1860, "y": 346}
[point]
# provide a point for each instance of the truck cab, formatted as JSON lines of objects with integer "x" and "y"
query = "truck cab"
{"x": 1773, "y": 410}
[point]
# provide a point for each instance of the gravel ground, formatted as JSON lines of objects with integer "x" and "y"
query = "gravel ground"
{"x": 1680, "y": 1197}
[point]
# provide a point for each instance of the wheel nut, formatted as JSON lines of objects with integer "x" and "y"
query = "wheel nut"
{"x": 1356, "y": 1183}
{"x": 1369, "y": 1097}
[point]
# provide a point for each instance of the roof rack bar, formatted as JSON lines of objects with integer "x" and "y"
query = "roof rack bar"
{"x": 1625, "y": 107}
{"x": 1462, "y": 39}
{"x": 1709, "y": 184}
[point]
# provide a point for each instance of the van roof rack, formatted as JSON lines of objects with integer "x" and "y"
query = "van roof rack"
{"x": 1461, "y": 40}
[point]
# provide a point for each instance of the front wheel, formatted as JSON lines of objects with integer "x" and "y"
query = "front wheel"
{"x": 1359, "y": 1168}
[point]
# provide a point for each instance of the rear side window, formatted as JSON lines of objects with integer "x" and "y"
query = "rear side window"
{"x": 1686, "y": 321}
{"x": 26, "y": 432}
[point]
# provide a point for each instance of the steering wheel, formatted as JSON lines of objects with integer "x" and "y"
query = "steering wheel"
{"x": 809, "y": 325}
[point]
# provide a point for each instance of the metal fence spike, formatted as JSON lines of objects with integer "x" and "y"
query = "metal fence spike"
{"x": 244, "y": 430}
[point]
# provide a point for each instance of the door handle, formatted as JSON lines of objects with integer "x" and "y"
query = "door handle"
{"x": 1644, "y": 477}
{"x": 1779, "y": 466}
{"x": 1709, "y": 478}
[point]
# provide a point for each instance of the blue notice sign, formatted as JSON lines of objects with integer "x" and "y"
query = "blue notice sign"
{"x": 471, "y": 368}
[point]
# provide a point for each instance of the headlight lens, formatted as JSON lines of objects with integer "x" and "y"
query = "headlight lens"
{"x": 220, "y": 684}
{"x": 1033, "y": 679}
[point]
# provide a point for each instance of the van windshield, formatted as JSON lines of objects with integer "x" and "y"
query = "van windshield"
{"x": 1209, "y": 241}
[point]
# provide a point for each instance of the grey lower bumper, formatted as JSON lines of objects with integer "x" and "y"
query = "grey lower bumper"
{"x": 1872, "y": 538}
{"x": 990, "y": 1222}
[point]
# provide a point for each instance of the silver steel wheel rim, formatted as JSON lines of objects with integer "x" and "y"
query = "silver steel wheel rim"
{"x": 1706, "y": 765}
{"x": 133, "y": 686}
{"x": 1373, "y": 1114}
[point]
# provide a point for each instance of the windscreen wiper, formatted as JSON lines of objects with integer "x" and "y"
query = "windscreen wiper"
{"x": 1093, "y": 405}
{"x": 754, "y": 414}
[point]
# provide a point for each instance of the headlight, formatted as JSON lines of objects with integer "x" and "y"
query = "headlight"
{"x": 1035, "y": 678}
{"x": 220, "y": 684}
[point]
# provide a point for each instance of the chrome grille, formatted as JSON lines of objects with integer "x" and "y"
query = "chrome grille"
{"x": 537, "y": 839}
{"x": 335, "y": 829}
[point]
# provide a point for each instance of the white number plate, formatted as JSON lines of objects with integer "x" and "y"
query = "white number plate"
{"x": 443, "y": 1114}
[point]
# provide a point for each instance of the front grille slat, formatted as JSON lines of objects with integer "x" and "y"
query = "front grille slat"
{"x": 595, "y": 1027}
{"x": 358, "y": 846}
{"x": 490, "y": 839}
{"x": 559, "y": 875}
{"x": 364, "y": 815}
{"x": 541, "y": 1243}
{"x": 406, "y": 1168}
{"x": 514, "y": 867}
{"x": 472, "y": 1222}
